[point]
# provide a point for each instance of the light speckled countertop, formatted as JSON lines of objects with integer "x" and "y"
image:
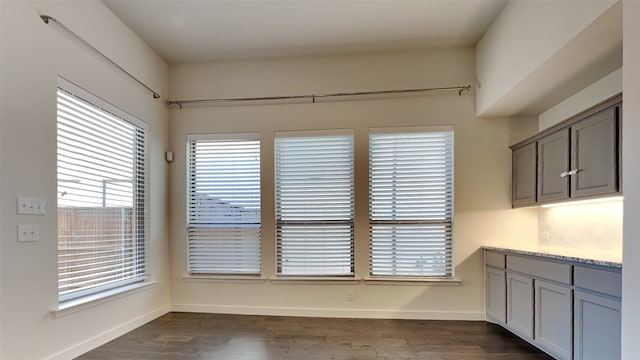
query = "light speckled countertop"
{"x": 579, "y": 256}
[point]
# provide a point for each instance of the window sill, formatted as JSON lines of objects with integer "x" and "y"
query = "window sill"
{"x": 315, "y": 280}
{"x": 86, "y": 302}
{"x": 251, "y": 279}
{"x": 412, "y": 281}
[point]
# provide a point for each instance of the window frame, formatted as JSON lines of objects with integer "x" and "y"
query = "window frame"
{"x": 246, "y": 136}
{"x": 279, "y": 223}
{"x": 139, "y": 207}
{"x": 448, "y": 277}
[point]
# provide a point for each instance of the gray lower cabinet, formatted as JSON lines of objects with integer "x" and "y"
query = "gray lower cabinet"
{"x": 597, "y": 327}
{"x": 596, "y": 313}
{"x": 568, "y": 309}
{"x": 496, "y": 295}
{"x": 553, "y": 318}
{"x": 520, "y": 305}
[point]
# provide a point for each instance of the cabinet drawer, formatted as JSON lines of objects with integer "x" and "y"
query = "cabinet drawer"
{"x": 540, "y": 268}
{"x": 603, "y": 281}
{"x": 494, "y": 259}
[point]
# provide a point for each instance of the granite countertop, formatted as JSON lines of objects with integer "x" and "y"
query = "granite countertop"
{"x": 573, "y": 255}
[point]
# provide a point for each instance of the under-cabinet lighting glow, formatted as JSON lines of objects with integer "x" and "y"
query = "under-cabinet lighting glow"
{"x": 588, "y": 201}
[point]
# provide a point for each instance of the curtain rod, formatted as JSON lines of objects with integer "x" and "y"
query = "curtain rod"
{"x": 48, "y": 19}
{"x": 313, "y": 97}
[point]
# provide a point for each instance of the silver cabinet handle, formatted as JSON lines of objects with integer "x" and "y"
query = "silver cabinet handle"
{"x": 564, "y": 174}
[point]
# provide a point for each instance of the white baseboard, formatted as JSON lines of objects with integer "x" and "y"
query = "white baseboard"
{"x": 333, "y": 313}
{"x": 108, "y": 335}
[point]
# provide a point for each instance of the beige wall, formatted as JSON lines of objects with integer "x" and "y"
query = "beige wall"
{"x": 33, "y": 55}
{"x": 482, "y": 175}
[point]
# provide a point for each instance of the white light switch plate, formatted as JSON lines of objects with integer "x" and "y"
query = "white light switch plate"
{"x": 28, "y": 232}
{"x": 31, "y": 206}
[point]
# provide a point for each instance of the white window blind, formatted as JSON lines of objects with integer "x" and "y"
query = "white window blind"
{"x": 101, "y": 195}
{"x": 411, "y": 203}
{"x": 314, "y": 204}
{"x": 224, "y": 204}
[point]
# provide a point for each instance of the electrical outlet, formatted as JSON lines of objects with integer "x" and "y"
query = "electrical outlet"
{"x": 28, "y": 232}
{"x": 544, "y": 236}
{"x": 351, "y": 295}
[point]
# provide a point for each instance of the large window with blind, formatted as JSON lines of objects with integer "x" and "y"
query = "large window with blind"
{"x": 224, "y": 204}
{"x": 101, "y": 178}
{"x": 314, "y": 203}
{"x": 411, "y": 202}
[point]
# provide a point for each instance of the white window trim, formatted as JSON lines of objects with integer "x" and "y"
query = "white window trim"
{"x": 211, "y": 278}
{"x": 83, "y": 303}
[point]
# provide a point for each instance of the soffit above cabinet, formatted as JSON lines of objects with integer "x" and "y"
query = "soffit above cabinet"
{"x": 515, "y": 88}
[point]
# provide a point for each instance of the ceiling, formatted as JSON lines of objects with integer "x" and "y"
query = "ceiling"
{"x": 192, "y": 31}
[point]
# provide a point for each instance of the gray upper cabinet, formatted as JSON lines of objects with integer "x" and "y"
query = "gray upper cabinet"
{"x": 553, "y": 164}
{"x": 594, "y": 154}
{"x": 577, "y": 158}
{"x": 524, "y": 175}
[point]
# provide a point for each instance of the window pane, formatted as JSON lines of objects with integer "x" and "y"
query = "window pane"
{"x": 411, "y": 203}
{"x": 314, "y": 205}
{"x": 411, "y": 250}
{"x": 224, "y": 205}
{"x": 101, "y": 179}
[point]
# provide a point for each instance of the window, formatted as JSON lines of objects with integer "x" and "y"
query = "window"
{"x": 224, "y": 204}
{"x": 411, "y": 202}
{"x": 101, "y": 195}
{"x": 314, "y": 203}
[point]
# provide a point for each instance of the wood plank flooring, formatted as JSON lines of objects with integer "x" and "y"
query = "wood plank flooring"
{"x": 195, "y": 336}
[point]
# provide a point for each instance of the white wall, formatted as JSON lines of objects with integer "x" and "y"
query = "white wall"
{"x": 482, "y": 175}
{"x": 536, "y": 51}
{"x": 33, "y": 54}
{"x": 631, "y": 179}
{"x": 593, "y": 94}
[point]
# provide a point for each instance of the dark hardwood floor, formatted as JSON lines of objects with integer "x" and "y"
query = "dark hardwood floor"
{"x": 193, "y": 336}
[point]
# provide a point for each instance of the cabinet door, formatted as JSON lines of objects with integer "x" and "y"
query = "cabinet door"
{"x": 553, "y": 319}
{"x": 496, "y": 295}
{"x": 597, "y": 327}
{"x": 523, "y": 173}
{"x": 553, "y": 164}
{"x": 594, "y": 154}
{"x": 520, "y": 305}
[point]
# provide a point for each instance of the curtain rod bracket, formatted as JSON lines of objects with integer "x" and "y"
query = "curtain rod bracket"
{"x": 171, "y": 102}
{"x": 49, "y": 19}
